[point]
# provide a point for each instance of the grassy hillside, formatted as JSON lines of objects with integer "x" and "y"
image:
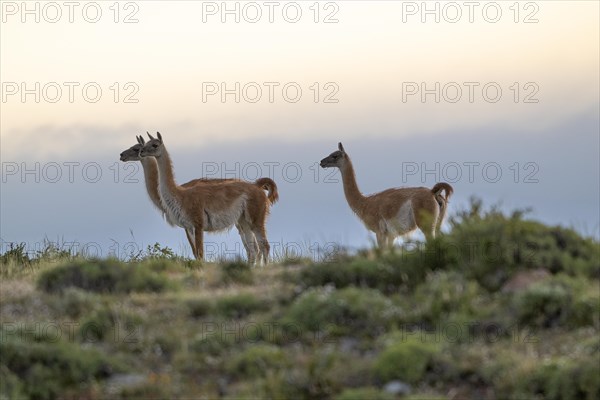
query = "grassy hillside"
{"x": 499, "y": 307}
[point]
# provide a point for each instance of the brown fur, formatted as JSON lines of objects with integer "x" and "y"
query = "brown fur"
{"x": 151, "y": 172}
{"x": 209, "y": 202}
{"x": 380, "y": 211}
{"x": 150, "y": 169}
{"x": 269, "y": 185}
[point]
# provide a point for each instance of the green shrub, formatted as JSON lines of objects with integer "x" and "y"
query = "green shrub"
{"x": 585, "y": 311}
{"x": 592, "y": 346}
{"x": 428, "y": 396}
{"x": 386, "y": 272}
{"x": 210, "y": 345}
{"x": 543, "y": 305}
{"x": 156, "y": 252}
{"x": 199, "y": 308}
{"x": 49, "y": 332}
{"x": 445, "y": 293}
{"x": 492, "y": 246}
{"x": 562, "y": 380}
{"x": 407, "y": 360}
{"x": 108, "y": 324}
{"x": 54, "y": 251}
{"x": 359, "y": 272}
{"x": 365, "y": 393}
{"x": 47, "y": 369}
{"x": 11, "y": 387}
{"x": 215, "y": 339}
{"x": 237, "y": 272}
{"x": 166, "y": 345}
{"x": 147, "y": 391}
{"x": 349, "y": 311}
{"x": 15, "y": 261}
{"x": 74, "y": 302}
{"x": 256, "y": 360}
{"x": 559, "y": 301}
{"x": 157, "y": 264}
{"x": 103, "y": 276}
{"x": 313, "y": 376}
{"x": 240, "y": 305}
{"x": 578, "y": 256}
{"x": 16, "y": 253}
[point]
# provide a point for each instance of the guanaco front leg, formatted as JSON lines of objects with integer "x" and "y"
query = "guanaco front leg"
{"x": 385, "y": 241}
{"x": 198, "y": 237}
{"x": 390, "y": 241}
{"x": 381, "y": 240}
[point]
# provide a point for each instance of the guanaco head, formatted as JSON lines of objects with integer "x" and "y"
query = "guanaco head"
{"x": 133, "y": 153}
{"x": 336, "y": 159}
{"x": 154, "y": 147}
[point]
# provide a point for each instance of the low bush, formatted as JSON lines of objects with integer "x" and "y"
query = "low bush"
{"x": 237, "y": 272}
{"x": 559, "y": 301}
{"x": 16, "y": 253}
{"x": 167, "y": 265}
{"x": 370, "y": 393}
{"x": 361, "y": 272}
{"x": 387, "y": 272}
{"x": 239, "y": 305}
{"x": 349, "y": 311}
{"x": 17, "y": 260}
{"x": 407, "y": 360}
{"x": 108, "y": 324}
{"x": 562, "y": 380}
{"x": 210, "y": 345}
{"x": 74, "y": 302}
{"x": 199, "y": 308}
{"x": 445, "y": 293}
{"x": 45, "y": 370}
{"x": 103, "y": 276}
{"x": 11, "y": 386}
{"x": 585, "y": 311}
{"x": 156, "y": 252}
{"x": 257, "y": 360}
{"x": 215, "y": 339}
{"x": 147, "y": 391}
{"x": 314, "y": 375}
{"x": 492, "y": 246}
{"x": 545, "y": 304}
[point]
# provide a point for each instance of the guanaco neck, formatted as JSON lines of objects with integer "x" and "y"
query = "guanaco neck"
{"x": 354, "y": 197}
{"x": 166, "y": 178}
{"x": 171, "y": 194}
{"x": 151, "y": 178}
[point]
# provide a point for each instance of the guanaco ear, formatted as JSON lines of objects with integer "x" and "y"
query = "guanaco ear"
{"x": 159, "y": 136}
{"x": 140, "y": 139}
{"x": 149, "y": 135}
{"x": 340, "y": 147}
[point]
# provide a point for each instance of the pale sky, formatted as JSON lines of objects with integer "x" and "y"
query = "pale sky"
{"x": 373, "y": 63}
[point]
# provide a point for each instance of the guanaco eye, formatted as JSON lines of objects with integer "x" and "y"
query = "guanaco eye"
{"x": 155, "y": 145}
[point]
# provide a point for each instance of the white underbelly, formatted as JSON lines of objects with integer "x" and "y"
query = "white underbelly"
{"x": 218, "y": 221}
{"x": 403, "y": 222}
